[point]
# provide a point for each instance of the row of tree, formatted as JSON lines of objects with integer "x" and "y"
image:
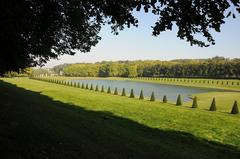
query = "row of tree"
{"x": 217, "y": 67}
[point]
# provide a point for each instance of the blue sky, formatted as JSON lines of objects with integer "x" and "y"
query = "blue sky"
{"x": 138, "y": 43}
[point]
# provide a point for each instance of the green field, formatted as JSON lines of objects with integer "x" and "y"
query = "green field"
{"x": 226, "y": 84}
{"x": 47, "y": 120}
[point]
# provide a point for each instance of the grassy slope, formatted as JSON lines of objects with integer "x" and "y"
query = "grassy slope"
{"x": 62, "y": 122}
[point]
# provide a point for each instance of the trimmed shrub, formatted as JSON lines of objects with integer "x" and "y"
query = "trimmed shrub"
{"x": 91, "y": 87}
{"x": 102, "y": 89}
{"x": 109, "y": 90}
{"x": 179, "y": 100}
{"x": 132, "y": 94}
{"x": 116, "y": 91}
{"x": 213, "y": 106}
{"x": 87, "y": 86}
{"x": 79, "y": 85}
{"x": 83, "y": 86}
{"x": 123, "y": 92}
{"x": 141, "y": 95}
{"x": 194, "y": 104}
{"x": 152, "y": 97}
{"x": 235, "y": 108}
{"x": 96, "y": 89}
{"x": 164, "y": 99}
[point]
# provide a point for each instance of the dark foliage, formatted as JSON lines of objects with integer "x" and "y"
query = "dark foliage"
{"x": 132, "y": 94}
{"x": 115, "y": 91}
{"x": 91, "y": 87}
{"x": 109, "y": 90}
{"x": 96, "y": 89}
{"x": 194, "y": 104}
{"x": 34, "y": 31}
{"x": 179, "y": 100}
{"x": 152, "y": 98}
{"x": 164, "y": 99}
{"x": 102, "y": 89}
{"x": 141, "y": 95}
{"x": 213, "y": 106}
{"x": 82, "y": 86}
{"x": 235, "y": 108}
{"x": 123, "y": 92}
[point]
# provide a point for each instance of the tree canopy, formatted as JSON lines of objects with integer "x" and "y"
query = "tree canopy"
{"x": 33, "y": 31}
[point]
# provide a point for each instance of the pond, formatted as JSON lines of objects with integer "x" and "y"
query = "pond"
{"x": 171, "y": 91}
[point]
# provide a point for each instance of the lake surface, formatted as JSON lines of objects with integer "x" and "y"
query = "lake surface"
{"x": 160, "y": 90}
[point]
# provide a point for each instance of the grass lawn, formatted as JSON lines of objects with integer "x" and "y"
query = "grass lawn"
{"x": 225, "y": 84}
{"x": 46, "y": 120}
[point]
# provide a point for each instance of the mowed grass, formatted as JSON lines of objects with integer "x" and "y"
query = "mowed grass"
{"x": 225, "y": 84}
{"x": 46, "y": 120}
{"x": 224, "y": 100}
{"x": 225, "y": 97}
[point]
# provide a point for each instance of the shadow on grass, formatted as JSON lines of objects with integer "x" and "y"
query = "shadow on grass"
{"x": 34, "y": 126}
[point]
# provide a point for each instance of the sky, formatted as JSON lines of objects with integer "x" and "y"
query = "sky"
{"x": 139, "y": 44}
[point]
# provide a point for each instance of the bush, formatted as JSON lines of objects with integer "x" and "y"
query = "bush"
{"x": 102, "y": 89}
{"x": 79, "y": 85}
{"x": 213, "y": 105}
{"x": 194, "y": 104}
{"x": 109, "y": 90}
{"x": 96, "y": 89}
{"x": 141, "y": 95}
{"x": 164, "y": 99}
{"x": 91, "y": 87}
{"x": 83, "y": 86}
{"x": 132, "y": 94}
{"x": 87, "y": 86}
{"x": 123, "y": 92}
{"x": 116, "y": 91}
{"x": 235, "y": 108}
{"x": 152, "y": 97}
{"x": 179, "y": 100}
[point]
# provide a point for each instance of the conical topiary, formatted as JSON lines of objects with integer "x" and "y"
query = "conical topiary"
{"x": 164, "y": 99}
{"x": 83, "y": 86}
{"x": 235, "y": 108}
{"x": 91, "y": 87}
{"x": 141, "y": 95}
{"x": 194, "y": 104}
{"x": 213, "y": 106}
{"x": 179, "y": 100}
{"x": 79, "y": 85}
{"x": 152, "y": 98}
{"x": 123, "y": 92}
{"x": 109, "y": 90}
{"x": 96, "y": 89}
{"x": 87, "y": 86}
{"x": 115, "y": 91}
{"x": 102, "y": 89}
{"x": 131, "y": 94}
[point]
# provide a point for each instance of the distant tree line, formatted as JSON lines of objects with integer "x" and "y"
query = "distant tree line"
{"x": 217, "y": 67}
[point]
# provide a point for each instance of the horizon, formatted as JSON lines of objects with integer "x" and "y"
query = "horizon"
{"x": 141, "y": 60}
